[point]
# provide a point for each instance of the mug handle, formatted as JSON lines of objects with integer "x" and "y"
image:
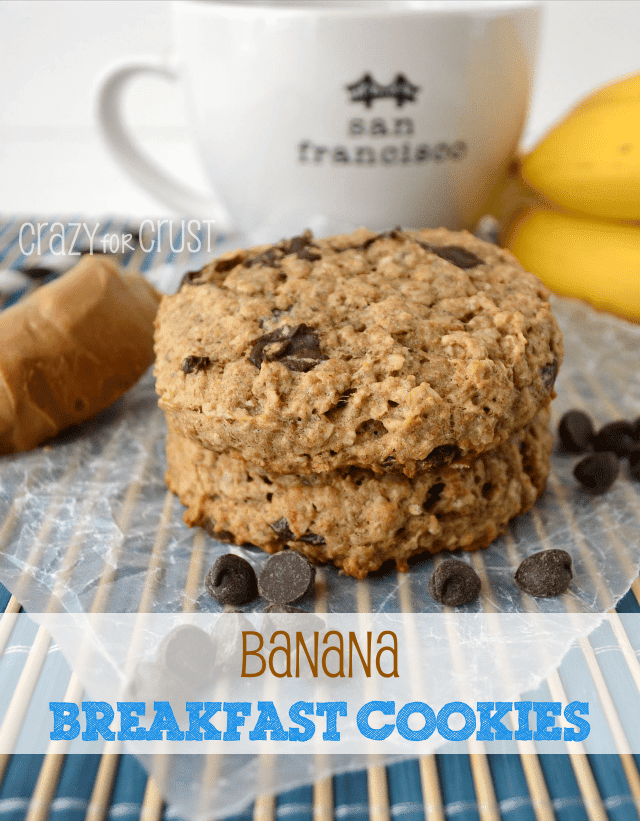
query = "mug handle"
{"x": 109, "y": 114}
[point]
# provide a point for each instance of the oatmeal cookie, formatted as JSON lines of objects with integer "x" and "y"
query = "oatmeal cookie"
{"x": 397, "y": 351}
{"x": 354, "y": 517}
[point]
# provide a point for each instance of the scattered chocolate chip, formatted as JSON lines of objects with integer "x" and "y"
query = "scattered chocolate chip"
{"x": 38, "y": 271}
{"x": 616, "y": 437}
{"x": 458, "y": 256}
{"x": 188, "y": 652}
{"x": 576, "y": 431}
{"x": 224, "y": 265}
{"x": 286, "y": 577}
{"x": 193, "y": 364}
{"x": 297, "y": 348}
{"x": 433, "y": 496}
{"x": 226, "y": 636}
{"x": 598, "y": 471}
{"x": 439, "y": 457}
{"x": 192, "y": 278}
{"x": 634, "y": 465}
{"x": 548, "y": 374}
{"x": 231, "y": 580}
{"x": 545, "y": 574}
{"x": 454, "y": 583}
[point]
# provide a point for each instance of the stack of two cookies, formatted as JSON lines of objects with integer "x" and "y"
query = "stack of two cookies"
{"x": 359, "y": 398}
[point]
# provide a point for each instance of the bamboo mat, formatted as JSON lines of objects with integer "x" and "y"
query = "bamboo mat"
{"x": 476, "y": 785}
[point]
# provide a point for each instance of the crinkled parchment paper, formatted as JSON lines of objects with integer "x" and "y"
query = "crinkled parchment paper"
{"x": 88, "y": 525}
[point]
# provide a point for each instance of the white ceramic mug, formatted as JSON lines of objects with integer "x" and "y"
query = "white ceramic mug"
{"x": 331, "y": 115}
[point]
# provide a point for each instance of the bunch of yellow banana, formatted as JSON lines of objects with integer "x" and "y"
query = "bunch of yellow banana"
{"x": 571, "y": 207}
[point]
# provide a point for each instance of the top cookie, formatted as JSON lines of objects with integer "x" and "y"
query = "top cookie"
{"x": 398, "y": 351}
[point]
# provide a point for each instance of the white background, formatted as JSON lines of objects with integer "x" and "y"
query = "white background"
{"x": 51, "y": 51}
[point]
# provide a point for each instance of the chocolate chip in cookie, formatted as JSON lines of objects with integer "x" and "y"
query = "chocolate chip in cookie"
{"x": 224, "y": 265}
{"x": 548, "y": 374}
{"x": 192, "y": 278}
{"x": 281, "y": 527}
{"x": 193, "y": 364}
{"x": 297, "y": 348}
{"x": 439, "y": 457}
{"x": 454, "y": 254}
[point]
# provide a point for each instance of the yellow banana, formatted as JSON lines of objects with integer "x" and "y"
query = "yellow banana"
{"x": 590, "y": 161}
{"x": 595, "y": 260}
{"x": 626, "y": 89}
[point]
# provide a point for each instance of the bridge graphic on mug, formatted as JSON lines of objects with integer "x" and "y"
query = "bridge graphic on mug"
{"x": 366, "y": 90}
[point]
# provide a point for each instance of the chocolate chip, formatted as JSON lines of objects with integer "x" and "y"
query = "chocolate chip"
{"x": 297, "y": 348}
{"x": 231, "y": 580}
{"x": 192, "y": 278}
{"x": 312, "y": 538}
{"x": 433, "y": 496}
{"x": 634, "y": 465}
{"x": 547, "y": 573}
{"x": 618, "y": 437}
{"x": 548, "y": 374}
{"x": 635, "y": 427}
{"x": 281, "y": 528}
{"x": 226, "y": 636}
{"x": 188, "y": 652}
{"x": 395, "y": 234}
{"x": 296, "y": 244}
{"x": 344, "y": 396}
{"x": 271, "y": 258}
{"x": 598, "y": 471}
{"x": 390, "y": 464}
{"x": 458, "y": 256}
{"x": 193, "y": 364}
{"x": 300, "y": 247}
{"x": 224, "y": 265}
{"x": 576, "y": 431}
{"x": 439, "y": 457}
{"x": 454, "y": 583}
{"x": 286, "y": 577}
{"x": 310, "y": 256}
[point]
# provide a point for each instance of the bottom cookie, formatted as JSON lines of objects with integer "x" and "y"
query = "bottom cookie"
{"x": 357, "y": 519}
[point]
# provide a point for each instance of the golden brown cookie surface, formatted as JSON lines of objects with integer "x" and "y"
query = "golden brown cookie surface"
{"x": 355, "y": 518}
{"x": 400, "y": 351}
